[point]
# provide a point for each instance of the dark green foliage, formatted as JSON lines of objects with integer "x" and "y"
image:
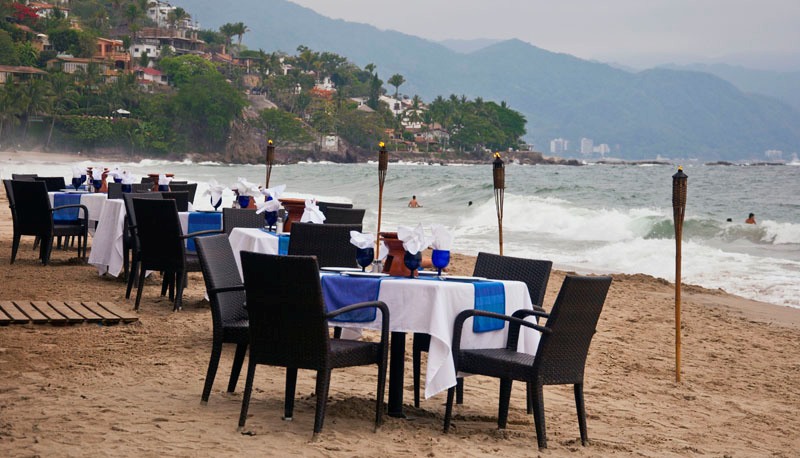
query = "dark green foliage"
{"x": 204, "y": 108}
{"x": 282, "y": 126}
{"x": 8, "y": 52}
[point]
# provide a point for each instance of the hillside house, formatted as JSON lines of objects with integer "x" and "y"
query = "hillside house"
{"x": 45, "y": 10}
{"x": 148, "y": 76}
{"x": 19, "y": 73}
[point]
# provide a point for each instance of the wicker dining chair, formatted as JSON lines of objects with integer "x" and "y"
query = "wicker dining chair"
{"x": 130, "y": 241}
{"x": 289, "y": 328}
{"x": 535, "y": 273}
{"x": 228, "y": 314}
{"x": 181, "y": 199}
{"x": 337, "y": 215}
{"x": 142, "y": 187}
{"x": 34, "y": 216}
{"x": 53, "y": 183}
{"x": 190, "y": 188}
{"x": 241, "y": 217}
{"x": 324, "y": 206}
{"x": 560, "y": 357}
{"x": 24, "y": 176}
{"x": 330, "y": 243}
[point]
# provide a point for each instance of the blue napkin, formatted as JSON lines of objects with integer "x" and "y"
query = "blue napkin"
{"x": 202, "y": 221}
{"x": 490, "y": 296}
{"x": 340, "y": 291}
{"x": 67, "y": 214}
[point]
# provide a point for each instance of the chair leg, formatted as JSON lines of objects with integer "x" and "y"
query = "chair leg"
{"x": 45, "y": 249}
{"x": 448, "y": 410}
{"x": 15, "y": 247}
{"x": 529, "y": 397}
{"x": 288, "y": 400}
{"x": 337, "y": 332}
{"x": 36, "y": 242}
{"x": 238, "y": 359}
{"x": 538, "y": 416}
{"x": 505, "y": 399}
{"x": 132, "y": 277}
{"x": 248, "y": 390}
{"x": 460, "y": 390}
{"x": 581, "y": 412}
{"x": 140, "y": 286}
{"x": 180, "y": 281}
{"x": 416, "y": 361}
{"x": 381, "y": 390}
{"x": 323, "y": 383}
{"x": 211, "y": 373}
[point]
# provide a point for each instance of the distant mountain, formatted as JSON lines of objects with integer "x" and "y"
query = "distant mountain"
{"x": 468, "y": 46}
{"x": 659, "y": 111}
{"x": 784, "y": 86}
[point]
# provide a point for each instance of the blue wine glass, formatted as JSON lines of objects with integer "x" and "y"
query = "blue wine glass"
{"x": 244, "y": 201}
{"x": 217, "y": 203}
{"x": 364, "y": 257}
{"x": 83, "y": 181}
{"x": 97, "y": 184}
{"x": 412, "y": 261}
{"x": 76, "y": 182}
{"x": 440, "y": 259}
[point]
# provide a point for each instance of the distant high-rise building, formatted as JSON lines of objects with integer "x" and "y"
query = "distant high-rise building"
{"x": 774, "y": 154}
{"x": 559, "y": 145}
{"x": 601, "y": 149}
{"x": 587, "y": 146}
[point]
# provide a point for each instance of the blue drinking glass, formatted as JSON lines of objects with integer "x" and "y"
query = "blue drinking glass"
{"x": 412, "y": 261}
{"x": 126, "y": 187}
{"x": 364, "y": 257}
{"x": 97, "y": 185}
{"x": 77, "y": 182}
{"x": 440, "y": 259}
{"x": 83, "y": 181}
{"x": 244, "y": 201}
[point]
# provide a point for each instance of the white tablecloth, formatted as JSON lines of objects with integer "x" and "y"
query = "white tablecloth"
{"x": 251, "y": 239}
{"x": 94, "y": 203}
{"x": 431, "y": 307}
{"x": 106, "y": 252}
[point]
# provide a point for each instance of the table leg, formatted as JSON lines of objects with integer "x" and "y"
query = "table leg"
{"x": 396, "y": 372}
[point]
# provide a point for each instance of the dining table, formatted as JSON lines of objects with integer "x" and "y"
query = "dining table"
{"x": 94, "y": 202}
{"x": 429, "y": 304}
{"x": 257, "y": 240}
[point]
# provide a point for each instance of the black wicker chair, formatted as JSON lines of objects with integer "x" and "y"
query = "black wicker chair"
{"x": 32, "y": 214}
{"x": 330, "y": 243}
{"x": 190, "y": 188}
{"x": 115, "y": 190}
{"x": 162, "y": 246}
{"x": 289, "y": 328}
{"x": 241, "y": 217}
{"x": 181, "y": 199}
{"x": 560, "y": 358}
{"x": 142, "y": 187}
{"x": 53, "y": 183}
{"x": 24, "y": 176}
{"x": 228, "y": 314}
{"x": 533, "y": 272}
{"x": 130, "y": 242}
{"x": 324, "y": 206}
{"x": 337, "y": 215}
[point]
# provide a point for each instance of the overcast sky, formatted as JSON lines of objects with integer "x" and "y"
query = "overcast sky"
{"x": 632, "y": 32}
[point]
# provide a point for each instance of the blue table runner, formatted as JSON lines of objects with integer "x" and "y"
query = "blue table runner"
{"x": 283, "y": 241}
{"x": 340, "y": 291}
{"x": 202, "y": 221}
{"x": 67, "y": 214}
{"x": 490, "y": 296}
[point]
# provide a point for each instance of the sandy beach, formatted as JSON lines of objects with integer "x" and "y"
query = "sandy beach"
{"x": 134, "y": 389}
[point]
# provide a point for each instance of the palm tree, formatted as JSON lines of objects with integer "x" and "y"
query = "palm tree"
{"x": 9, "y": 104}
{"x": 396, "y": 80}
{"x": 35, "y": 100}
{"x": 63, "y": 96}
{"x": 239, "y": 29}
{"x": 177, "y": 16}
{"x": 228, "y": 31}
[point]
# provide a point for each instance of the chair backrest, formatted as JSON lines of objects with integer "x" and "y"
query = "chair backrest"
{"x": 159, "y": 230}
{"x": 181, "y": 199}
{"x": 142, "y": 187}
{"x": 286, "y": 310}
{"x": 218, "y": 263}
{"x": 241, "y": 217}
{"x": 191, "y": 188}
{"x": 10, "y": 197}
{"x": 32, "y": 206}
{"x": 561, "y": 355}
{"x": 337, "y": 215}
{"x": 24, "y": 176}
{"x": 147, "y": 180}
{"x": 330, "y": 243}
{"x": 53, "y": 183}
{"x": 324, "y": 206}
{"x": 534, "y": 272}
{"x": 114, "y": 190}
{"x": 130, "y": 214}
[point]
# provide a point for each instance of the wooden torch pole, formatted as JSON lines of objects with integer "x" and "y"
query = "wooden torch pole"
{"x": 499, "y": 175}
{"x": 383, "y": 165}
{"x": 270, "y": 160}
{"x": 679, "y": 181}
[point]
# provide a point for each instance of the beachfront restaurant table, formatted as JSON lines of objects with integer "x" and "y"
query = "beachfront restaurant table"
{"x": 94, "y": 202}
{"x": 430, "y": 305}
{"x": 258, "y": 240}
{"x": 107, "y": 252}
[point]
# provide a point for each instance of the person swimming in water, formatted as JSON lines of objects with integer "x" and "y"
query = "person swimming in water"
{"x": 751, "y": 219}
{"x": 413, "y": 203}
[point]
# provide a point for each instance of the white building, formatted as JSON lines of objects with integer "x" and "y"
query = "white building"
{"x": 601, "y": 149}
{"x": 559, "y": 145}
{"x": 774, "y": 154}
{"x": 587, "y": 146}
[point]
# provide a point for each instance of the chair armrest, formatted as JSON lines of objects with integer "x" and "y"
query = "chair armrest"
{"x": 198, "y": 233}
{"x": 226, "y": 289}
{"x": 461, "y": 317}
{"x": 525, "y": 313}
{"x": 384, "y": 320}
{"x": 81, "y": 206}
{"x": 513, "y": 328}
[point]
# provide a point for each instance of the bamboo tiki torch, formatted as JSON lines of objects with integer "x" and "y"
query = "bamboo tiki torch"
{"x": 383, "y": 165}
{"x": 678, "y": 211}
{"x": 270, "y": 160}
{"x": 499, "y": 174}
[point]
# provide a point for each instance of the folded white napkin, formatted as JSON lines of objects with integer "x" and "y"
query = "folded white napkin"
{"x": 442, "y": 238}
{"x": 115, "y": 173}
{"x": 214, "y": 191}
{"x": 268, "y": 206}
{"x": 312, "y": 213}
{"x": 164, "y": 180}
{"x": 78, "y": 171}
{"x": 362, "y": 240}
{"x": 275, "y": 191}
{"x": 127, "y": 178}
{"x": 414, "y": 240}
{"x": 246, "y": 188}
